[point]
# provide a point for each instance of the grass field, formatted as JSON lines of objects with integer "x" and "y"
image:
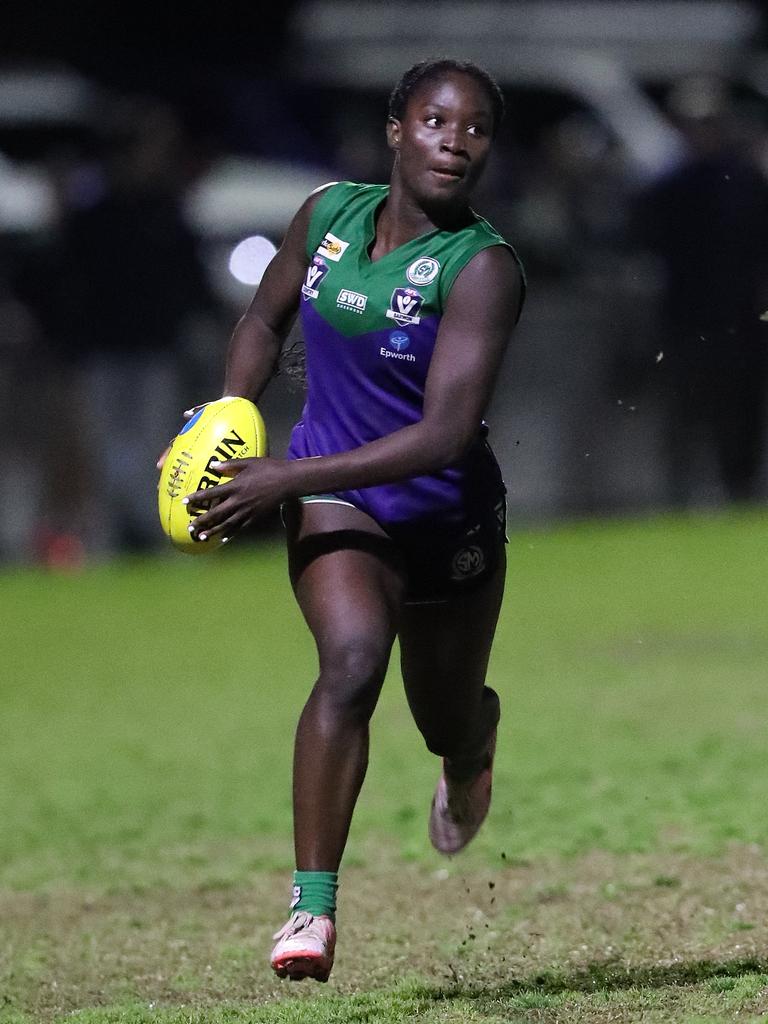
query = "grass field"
{"x": 146, "y": 718}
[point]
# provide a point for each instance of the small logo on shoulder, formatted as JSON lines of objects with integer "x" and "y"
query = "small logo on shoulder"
{"x": 404, "y": 306}
{"x": 351, "y": 300}
{"x": 423, "y": 271}
{"x": 316, "y": 271}
{"x": 332, "y": 247}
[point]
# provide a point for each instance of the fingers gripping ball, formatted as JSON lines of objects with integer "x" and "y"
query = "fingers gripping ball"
{"x": 231, "y": 428}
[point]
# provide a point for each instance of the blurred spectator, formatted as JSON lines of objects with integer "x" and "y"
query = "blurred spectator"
{"x": 574, "y": 206}
{"x": 115, "y": 294}
{"x": 23, "y": 426}
{"x": 707, "y": 222}
{"x": 569, "y": 217}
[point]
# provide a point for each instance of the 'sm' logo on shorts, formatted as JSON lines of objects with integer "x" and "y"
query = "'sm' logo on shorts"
{"x": 404, "y": 306}
{"x": 316, "y": 271}
{"x": 467, "y": 562}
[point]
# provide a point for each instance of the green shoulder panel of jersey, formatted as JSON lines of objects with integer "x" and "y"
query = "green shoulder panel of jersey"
{"x": 334, "y": 199}
{"x": 345, "y": 214}
{"x": 478, "y": 236}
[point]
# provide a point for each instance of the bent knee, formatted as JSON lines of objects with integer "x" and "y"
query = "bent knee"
{"x": 461, "y": 734}
{"x": 444, "y": 742}
{"x": 351, "y": 676}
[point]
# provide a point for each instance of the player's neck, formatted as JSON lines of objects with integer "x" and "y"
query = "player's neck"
{"x": 402, "y": 218}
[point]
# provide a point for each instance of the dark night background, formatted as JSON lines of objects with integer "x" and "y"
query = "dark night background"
{"x": 253, "y": 105}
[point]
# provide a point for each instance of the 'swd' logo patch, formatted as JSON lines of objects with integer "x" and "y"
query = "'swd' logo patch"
{"x": 351, "y": 300}
{"x": 332, "y": 247}
{"x": 404, "y": 306}
{"x": 316, "y": 271}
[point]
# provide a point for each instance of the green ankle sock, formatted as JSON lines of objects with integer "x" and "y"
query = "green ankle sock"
{"x": 315, "y": 892}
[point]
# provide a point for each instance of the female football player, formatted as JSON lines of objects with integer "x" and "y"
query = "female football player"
{"x": 393, "y": 501}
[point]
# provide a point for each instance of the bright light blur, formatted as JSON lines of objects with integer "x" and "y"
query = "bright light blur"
{"x": 249, "y": 259}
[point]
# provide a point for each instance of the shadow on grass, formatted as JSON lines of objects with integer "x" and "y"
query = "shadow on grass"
{"x": 510, "y": 1000}
{"x": 552, "y": 989}
{"x": 608, "y": 976}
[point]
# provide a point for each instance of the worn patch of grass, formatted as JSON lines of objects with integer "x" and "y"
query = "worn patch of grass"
{"x": 565, "y": 938}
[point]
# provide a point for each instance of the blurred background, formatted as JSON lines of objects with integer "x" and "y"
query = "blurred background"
{"x": 150, "y": 161}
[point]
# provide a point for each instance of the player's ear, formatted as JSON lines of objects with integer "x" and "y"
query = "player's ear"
{"x": 393, "y": 133}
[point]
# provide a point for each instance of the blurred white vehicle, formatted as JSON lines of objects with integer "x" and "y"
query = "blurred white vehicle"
{"x": 241, "y": 208}
{"x": 41, "y": 110}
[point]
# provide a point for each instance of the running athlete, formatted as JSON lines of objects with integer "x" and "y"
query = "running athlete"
{"x": 393, "y": 501}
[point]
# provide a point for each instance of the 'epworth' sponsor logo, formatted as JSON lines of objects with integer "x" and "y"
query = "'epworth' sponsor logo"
{"x": 398, "y": 342}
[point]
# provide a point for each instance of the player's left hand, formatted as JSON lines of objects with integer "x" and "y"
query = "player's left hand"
{"x": 257, "y": 487}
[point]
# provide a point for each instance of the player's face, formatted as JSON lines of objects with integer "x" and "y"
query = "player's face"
{"x": 444, "y": 138}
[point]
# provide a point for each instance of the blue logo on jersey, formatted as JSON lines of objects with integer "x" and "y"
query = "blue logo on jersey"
{"x": 399, "y": 340}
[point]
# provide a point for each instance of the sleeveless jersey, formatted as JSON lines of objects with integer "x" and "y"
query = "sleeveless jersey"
{"x": 370, "y": 330}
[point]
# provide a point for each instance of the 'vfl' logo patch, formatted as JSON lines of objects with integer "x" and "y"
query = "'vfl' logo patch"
{"x": 404, "y": 306}
{"x": 332, "y": 247}
{"x": 316, "y": 271}
{"x": 351, "y": 300}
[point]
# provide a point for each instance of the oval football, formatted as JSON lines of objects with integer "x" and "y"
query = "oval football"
{"x": 230, "y": 428}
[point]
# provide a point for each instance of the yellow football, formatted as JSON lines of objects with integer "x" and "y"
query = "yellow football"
{"x": 230, "y": 428}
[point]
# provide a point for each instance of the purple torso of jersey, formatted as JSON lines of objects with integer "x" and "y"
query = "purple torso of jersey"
{"x": 370, "y": 330}
{"x": 363, "y": 388}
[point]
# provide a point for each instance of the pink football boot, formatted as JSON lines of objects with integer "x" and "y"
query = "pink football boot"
{"x": 460, "y": 806}
{"x": 305, "y": 947}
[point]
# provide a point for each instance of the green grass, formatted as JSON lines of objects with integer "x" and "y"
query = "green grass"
{"x": 146, "y": 717}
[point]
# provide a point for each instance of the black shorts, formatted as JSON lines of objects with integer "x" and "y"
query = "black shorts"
{"x": 440, "y": 561}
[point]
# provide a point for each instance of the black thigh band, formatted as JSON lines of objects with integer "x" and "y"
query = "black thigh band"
{"x": 303, "y": 552}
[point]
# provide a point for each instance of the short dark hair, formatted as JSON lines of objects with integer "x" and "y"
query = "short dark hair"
{"x": 426, "y": 70}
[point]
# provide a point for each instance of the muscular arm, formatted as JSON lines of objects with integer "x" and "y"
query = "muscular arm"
{"x": 258, "y": 337}
{"x": 478, "y": 319}
{"x": 254, "y": 348}
{"x": 474, "y": 331}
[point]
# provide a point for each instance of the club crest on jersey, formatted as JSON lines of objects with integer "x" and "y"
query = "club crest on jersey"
{"x": 404, "y": 306}
{"x": 351, "y": 300}
{"x": 316, "y": 271}
{"x": 423, "y": 271}
{"x": 332, "y": 247}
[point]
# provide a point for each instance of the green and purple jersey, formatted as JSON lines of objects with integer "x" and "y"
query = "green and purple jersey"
{"x": 370, "y": 331}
